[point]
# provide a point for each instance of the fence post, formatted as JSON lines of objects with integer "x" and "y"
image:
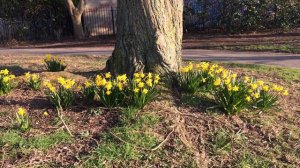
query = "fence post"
{"x": 113, "y": 20}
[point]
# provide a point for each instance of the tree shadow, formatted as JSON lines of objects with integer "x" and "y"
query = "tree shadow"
{"x": 89, "y": 74}
{"x": 18, "y": 70}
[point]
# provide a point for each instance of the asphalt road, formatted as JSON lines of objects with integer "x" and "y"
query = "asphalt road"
{"x": 281, "y": 59}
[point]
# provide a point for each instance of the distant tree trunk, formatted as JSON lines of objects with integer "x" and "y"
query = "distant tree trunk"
{"x": 76, "y": 14}
{"x": 149, "y": 36}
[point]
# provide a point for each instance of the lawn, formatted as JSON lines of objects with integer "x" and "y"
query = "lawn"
{"x": 271, "y": 41}
{"x": 171, "y": 131}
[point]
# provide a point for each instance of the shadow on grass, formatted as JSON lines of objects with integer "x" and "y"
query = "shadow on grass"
{"x": 203, "y": 102}
{"x": 89, "y": 74}
{"x": 18, "y": 70}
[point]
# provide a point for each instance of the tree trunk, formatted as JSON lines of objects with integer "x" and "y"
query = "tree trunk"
{"x": 149, "y": 36}
{"x": 76, "y": 14}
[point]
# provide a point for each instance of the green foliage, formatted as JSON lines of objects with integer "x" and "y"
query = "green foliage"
{"x": 54, "y": 64}
{"x": 22, "y": 120}
{"x": 6, "y": 82}
{"x": 126, "y": 142}
{"x": 42, "y": 142}
{"x": 231, "y": 95}
{"x": 250, "y": 160}
{"x": 250, "y": 15}
{"x": 47, "y": 141}
{"x": 192, "y": 80}
{"x": 221, "y": 143}
{"x": 142, "y": 89}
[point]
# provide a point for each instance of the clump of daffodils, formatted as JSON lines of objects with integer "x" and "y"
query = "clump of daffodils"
{"x": 231, "y": 92}
{"x": 54, "y": 64}
{"x": 263, "y": 95}
{"x": 63, "y": 96}
{"x": 194, "y": 78}
{"x": 120, "y": 90}
{"x": 143, "y": 88}
{"x": 111, "y": 90}
{"x": 6, "y": 81}
{"x": 33, "y": 80}
{"x": 22, "y": 120}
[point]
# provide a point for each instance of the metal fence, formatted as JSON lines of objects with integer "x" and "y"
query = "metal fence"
{"x": 99, "y": 22}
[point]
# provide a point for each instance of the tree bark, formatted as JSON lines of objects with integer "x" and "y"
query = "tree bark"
{"x": 149, "y": 37}
{"x": 76, "y": 14}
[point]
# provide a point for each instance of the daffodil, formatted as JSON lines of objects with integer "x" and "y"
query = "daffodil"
{"x": 120, "y": 86}
{"x": 27, "y": 75}
{"x": 122, "y": 78}
{"x": 136, "y": 90}
{"x": 235, "y": 88}
{"x": 46, "y": 114}
{"x": 108, "y": 86}
{"x": 108, "y": 75}
{"x": 217, "y": 82}
{"x": 286, "y": 93}
{"x": 256, "y": 95}
{"x": 21, "y": 111}
{"x": 246, "y": 79}
{"x": 253, "y": 86}
{"x": 136, "y": 75}
{"x": 88, "y": 84}
{"x": 266, "y": 88}
{"x": 260, "y": 82}
{"x": 4, "y": 72}
{"x": 185, "y": 70}
{"x": 227, "y": 81}
{"x": 6, "y": 79}
{"x": 108, "y": 92}
{"x": 141, "y": 84}
{"x": 149, "y": 82}
{"x": 233, "y": 76}
{"x": 137, "y": 80}
{"x": 248, "y": 98}
{"x": 145, "y": 91}
{"x": 142, "y": 75}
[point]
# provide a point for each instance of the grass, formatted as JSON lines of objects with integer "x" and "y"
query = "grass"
{"x": 247, "y": 140}
{"x": 14, "y": 139}
{"x": 127, "y": 141}
{"x": 286, "y": 48}
{"x": 288, "y": 74}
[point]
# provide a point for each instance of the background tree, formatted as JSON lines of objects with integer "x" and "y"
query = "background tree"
{"x": 149, "y": 36}
{"x": 76, "y": 14}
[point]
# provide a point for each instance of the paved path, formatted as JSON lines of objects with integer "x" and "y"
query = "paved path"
{"x": 282, "y": 59}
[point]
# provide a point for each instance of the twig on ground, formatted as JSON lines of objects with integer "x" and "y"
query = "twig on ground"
{"x": 3, "y": 157}
{"x": 163, "y": 142}
{"x": 59, "y": 112}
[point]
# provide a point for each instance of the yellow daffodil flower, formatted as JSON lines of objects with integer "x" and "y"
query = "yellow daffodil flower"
{"x": 108, "y": 75}
{"x": 145, "y": 91}
{"x": 266, "y": 88}
{"x": 217, "y": 82}
{"x": 235, "y": 88}
{"x": 141, "y": 84}
{"x": 108, "y": 92}
{"x": 27, "y": 75}
{"x": 21, "y": 111}
{"x": 260, "y": 82}
{"x": 46, "y": 114}
{"x": 149, "y": 82}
